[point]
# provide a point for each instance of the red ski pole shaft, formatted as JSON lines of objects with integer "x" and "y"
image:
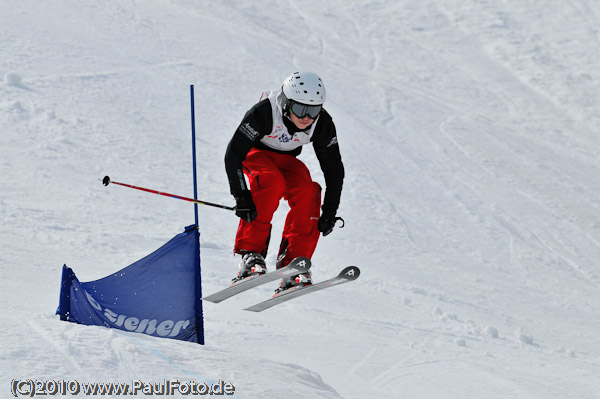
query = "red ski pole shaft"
{"x": 106, "y": 181}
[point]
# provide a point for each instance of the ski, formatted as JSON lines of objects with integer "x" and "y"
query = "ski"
{"x": 350, "y": 273}
{"x": 297, "y": 266}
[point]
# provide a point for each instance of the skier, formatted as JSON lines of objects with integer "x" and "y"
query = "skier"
{"x": 264, "y": 148}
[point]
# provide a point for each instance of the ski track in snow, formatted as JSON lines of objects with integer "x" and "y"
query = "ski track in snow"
{"x": 472, "y": 200}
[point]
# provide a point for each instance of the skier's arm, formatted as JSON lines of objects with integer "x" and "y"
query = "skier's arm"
{"x": 236, "y": 152}
{"x": 328, "y": 153}
{"x": 256, "y": 123}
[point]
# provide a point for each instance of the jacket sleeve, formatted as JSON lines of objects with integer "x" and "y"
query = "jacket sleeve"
{"x": 256, "y": 124}
{"x": 327, "y": 150}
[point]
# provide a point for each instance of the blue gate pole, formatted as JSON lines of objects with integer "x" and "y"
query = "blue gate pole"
{"x": 194, "y": 151}
{"x": 198, "y": 302}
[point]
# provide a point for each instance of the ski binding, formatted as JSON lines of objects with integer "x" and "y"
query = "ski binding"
{"x": 296, "y": 266}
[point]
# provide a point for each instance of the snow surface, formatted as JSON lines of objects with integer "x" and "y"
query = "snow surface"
{"x": 469, "y": 131}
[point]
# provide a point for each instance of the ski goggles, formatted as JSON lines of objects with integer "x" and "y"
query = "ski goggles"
{"x": 302, "y": 110}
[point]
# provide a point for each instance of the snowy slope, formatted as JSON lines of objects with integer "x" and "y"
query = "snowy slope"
{"x": 469, "y": 131}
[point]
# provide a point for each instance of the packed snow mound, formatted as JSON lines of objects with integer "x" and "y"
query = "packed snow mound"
{"x": 93, "y": 354}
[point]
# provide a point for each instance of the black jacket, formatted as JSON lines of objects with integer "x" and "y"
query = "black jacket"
{"x": 258, "y": 122}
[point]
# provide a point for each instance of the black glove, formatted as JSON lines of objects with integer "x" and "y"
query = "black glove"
{"x": 327, "y": 223}
{"x": 244, "y": 206}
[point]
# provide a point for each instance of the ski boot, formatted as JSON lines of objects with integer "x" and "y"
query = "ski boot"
{"x": 300, "y": 280}
{"x": 252, "y": 263}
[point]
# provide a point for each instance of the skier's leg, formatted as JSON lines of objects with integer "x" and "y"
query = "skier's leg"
{"x": 267, "y": 186}
{"x": 300, "y": 234}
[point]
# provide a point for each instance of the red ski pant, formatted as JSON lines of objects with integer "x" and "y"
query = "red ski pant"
{"x": 273, "y": 176}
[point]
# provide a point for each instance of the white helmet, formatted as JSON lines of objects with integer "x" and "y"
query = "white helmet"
{"x": 304, "y": 87}
{"x": 302, "y": 94}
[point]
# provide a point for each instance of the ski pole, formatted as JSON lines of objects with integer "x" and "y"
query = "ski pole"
{"x": 106, "y": 181}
